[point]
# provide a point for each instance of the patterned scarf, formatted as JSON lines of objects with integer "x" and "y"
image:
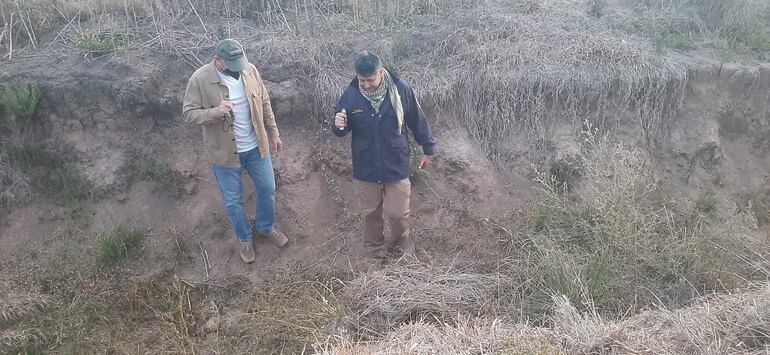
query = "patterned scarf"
{"x": 377, "y": 97}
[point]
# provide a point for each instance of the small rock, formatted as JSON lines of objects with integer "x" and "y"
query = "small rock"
{"x": 190, "y": 188}
{"x": 121, "y": 197}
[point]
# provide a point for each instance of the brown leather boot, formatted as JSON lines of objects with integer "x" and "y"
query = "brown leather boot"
{"x": 247, "y": 252}
{"x": 377, "y": 252}
{"x": 275, "y": 237}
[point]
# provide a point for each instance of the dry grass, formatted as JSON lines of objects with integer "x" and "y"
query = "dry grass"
{"x": 508, "y": 67}
{"x": 285, "y": 315}
{"x": 615, "y": 244}
{"x": 12, "y": 340}
{"x": 16, "y": 186}
{"x": 400, "y": 294}
{"x": 723, "y": 324}
{"x": 14, "y": 306}
{"x": 738, "y": 322}
{"x": 517, "y": 67}
{"x": 464, "y": 336}
{"x": 610, "y": 245}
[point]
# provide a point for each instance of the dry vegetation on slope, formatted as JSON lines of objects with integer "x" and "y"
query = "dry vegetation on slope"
{"x": 604, "y": 263}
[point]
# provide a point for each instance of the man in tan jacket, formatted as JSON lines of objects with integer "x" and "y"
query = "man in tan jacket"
{"x": 230, "y": 103}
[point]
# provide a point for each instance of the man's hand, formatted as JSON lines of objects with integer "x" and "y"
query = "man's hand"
{"x": 341, "y": 120}
{"x": 425, "y": 161}
{"x": 227, "y": 108}
{"x": 277, "y": 144}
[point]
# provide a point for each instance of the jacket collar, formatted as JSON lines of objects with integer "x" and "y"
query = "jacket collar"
{"x": 210, "y": 74}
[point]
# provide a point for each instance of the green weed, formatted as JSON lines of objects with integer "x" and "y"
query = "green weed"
{"x": 20, "y": 102}
{"x": 82, "y": 209}
{"x": 161, "y": 173}
{"x": 706, "y": 203}
{"x": 30, "y": 156}
{"x": 415, "y": 156}
{"x": 100, "y": 43}
{"x": 66, "y": 183}
{"x": 748, "y": 40}
{"x": 675, "y": 41}
{"x": 58, "y": 178}
{"x": 121, "y": 242}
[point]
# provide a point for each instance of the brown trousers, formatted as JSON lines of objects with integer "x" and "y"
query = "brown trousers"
{"x": 391, "y": 198}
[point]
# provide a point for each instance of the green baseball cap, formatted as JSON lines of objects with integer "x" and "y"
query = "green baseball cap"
{"x": 231, "y": 53}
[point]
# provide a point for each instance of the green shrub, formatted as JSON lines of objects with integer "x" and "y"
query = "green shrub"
{"x": 99, "y": 43}
{"x": 66, "y": 183}
{"x": 20, "y": 102}
{"x": 120, "y": 243}
{"x": 81, "y": 209}
{"x": 33, "y": 156}
{"x": 706, "y": 203}
{"x": 161, "y": 173}
{"x": 753, "y": 40}
{"x": 56, "y": 177}
{"x": 680, "y": 42}
{"x": 616, "y": 241}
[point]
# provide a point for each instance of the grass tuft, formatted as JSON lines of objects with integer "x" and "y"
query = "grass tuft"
{"x": 674, "y": 41}
{"x": 121, "y": 242}
{"x": 16, "y": 306}
{"x": 290, "y": 314}
{"x": 706, "y": 203}
{"x": 100, "y": 43}
{"x": 161, "y": 173}
{"x": 20, "y": 102}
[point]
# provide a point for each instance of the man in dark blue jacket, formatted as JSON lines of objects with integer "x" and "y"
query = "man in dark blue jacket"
{"x": 380, "y": 110}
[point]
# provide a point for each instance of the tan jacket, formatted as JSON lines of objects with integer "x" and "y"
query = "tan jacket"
{"x": 204, "y": 93}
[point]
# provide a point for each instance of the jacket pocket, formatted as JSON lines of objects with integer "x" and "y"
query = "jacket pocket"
{"x": 400, "y": 146}
{"x": 399, "y": 142}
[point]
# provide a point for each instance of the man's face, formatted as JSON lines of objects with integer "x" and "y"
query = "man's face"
{"x": 372, "y": 82}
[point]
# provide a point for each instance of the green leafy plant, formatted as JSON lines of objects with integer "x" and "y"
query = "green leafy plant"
{"x": 20, "y": 102}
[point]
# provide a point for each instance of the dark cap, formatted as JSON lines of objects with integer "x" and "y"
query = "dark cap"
{"x": 367, "y": 63}
{"x": 231, "y": 53}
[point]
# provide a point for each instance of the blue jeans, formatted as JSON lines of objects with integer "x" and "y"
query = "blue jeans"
{"x": 229, "y": 180}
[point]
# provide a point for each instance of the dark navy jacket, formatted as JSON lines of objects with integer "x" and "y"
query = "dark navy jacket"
{"x": 380, "y": 154}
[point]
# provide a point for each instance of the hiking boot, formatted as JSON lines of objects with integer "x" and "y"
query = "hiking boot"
{"x": 275, "y": 237}
{"x": 402, "y": 248}
{"x": 378, "y": 252}
{"x": 247, "y": 252}
{"x": 407, "y": 246}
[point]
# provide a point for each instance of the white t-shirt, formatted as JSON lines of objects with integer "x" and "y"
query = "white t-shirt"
{"x": 243, "y": 128}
